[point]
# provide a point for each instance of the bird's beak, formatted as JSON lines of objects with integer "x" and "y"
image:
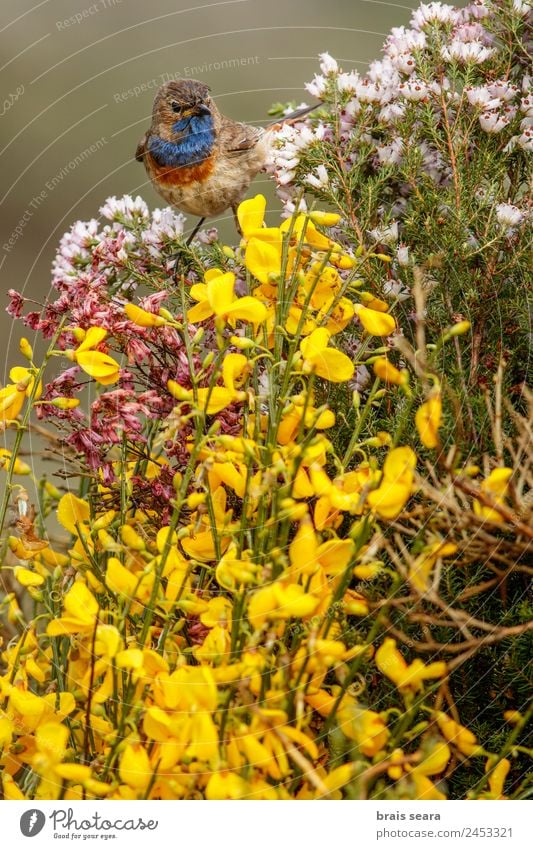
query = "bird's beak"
{"x": 202, "y": 109}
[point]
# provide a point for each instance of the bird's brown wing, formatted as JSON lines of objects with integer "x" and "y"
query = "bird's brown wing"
{"x": 235, "y": 138}
{"x": 141, "y": 148}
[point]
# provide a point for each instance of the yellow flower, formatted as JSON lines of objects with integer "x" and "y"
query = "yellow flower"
{"x": 325, "y": 219}
{"x": 497, "y": 776}
{"x": 134, "y": 768}
{"x": 495, "y": 486}
{"x": 226, "y": 785}
{"x": 263, "y": 254}
{"x": 13, "y": 395}
{"x": 217, "y": 297}
{"x": 420, "y": 570}
{"x": 455, "y": 733}
{"x": 280, "y": 600}
{"x": 408, "y": 678}
{"x": 326, "y": 362}
{"x": 251, "y": 214}
{"x": 396, "y": 485}
{"x": 434, "y": 762}
{"x": 375, "y": 323}
{"x": 103, "y": 368}
{"x": 82, "y": 609}
{"x": 428, "y": 419}
{"x": 386, "y": 371}
{"x": 365, "y": 727}
{"x": 143, "y": 318}
{"x": 212, "y": 399}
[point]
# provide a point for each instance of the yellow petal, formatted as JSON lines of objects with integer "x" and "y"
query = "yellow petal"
{"x": 135, "y": 769}
{"x": 427, "y": 419}
{"x": 375, "y": 323}
{"x": 103, "y": 368}
{"x": 93, "y": 337}
{"x": 220, "y": 292}
{"x": 262, "y": 260}
{"x": 251, "y": 214}
{"x": 72, "y": 512}
{"x": 143, "y": 318}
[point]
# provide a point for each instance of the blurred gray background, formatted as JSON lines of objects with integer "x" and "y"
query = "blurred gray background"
{"x": 78, "y": 80}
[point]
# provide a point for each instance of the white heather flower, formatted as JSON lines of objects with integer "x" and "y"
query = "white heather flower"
{"x": 525, "y": 141}
{"x": 348, "y": 81}
{"x": 466, "y": 52}
{"x": 321, "y": 180}
{"x": 414, "y": 90}
{"x": 526, "y": 105}
{"x": 402, "y": 255}
{"x": 392, "y": 112}
{"x": 124, "y": 208}
{"x": 402, "y": 40}
{"x": 434, "y": 13}
{"x": 472, "y": 32}
{"x": 286, "y": 177}
{"x": 508, "y": 214}
{"x": 391, "y": 154}
{"x": 328, "y": 64}
{"x": 503, "y": 89}
{"x": 481, "y": 97}
{"x": 493, "y": 122}
{"x": 165, "y": 224}
{"x": 476, "y": 10}
{"x": 396, "y": 289}
{"x": 521, "y": 7}
{"x": 290, "y": 207}
{"x": 386, "y": 235}
{"x": 317, "y": 87}
{"x": 404, "y": 62}
{"x": 368, "y": 92}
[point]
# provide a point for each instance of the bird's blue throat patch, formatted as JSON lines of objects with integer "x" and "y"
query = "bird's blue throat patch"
{"x": 192, "y": 149}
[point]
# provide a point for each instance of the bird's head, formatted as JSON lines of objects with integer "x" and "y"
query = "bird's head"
{"x": 180, "y": 106}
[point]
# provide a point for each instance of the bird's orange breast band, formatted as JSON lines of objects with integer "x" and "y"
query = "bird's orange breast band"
{"x": 182, "y": 175}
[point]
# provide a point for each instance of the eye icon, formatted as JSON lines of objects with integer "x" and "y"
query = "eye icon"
{"x": 32, "y": 822}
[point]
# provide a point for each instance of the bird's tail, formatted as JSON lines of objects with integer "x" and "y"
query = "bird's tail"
{"x": 293, "y": 117}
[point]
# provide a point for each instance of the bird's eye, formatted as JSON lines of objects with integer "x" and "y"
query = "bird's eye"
{"x": 176, "y": 107}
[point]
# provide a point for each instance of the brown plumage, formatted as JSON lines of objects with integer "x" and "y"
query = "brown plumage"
{"x": 197, "y": 159}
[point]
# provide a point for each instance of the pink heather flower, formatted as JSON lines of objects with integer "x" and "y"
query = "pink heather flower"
{"x": 16, "y": 304}
{"x": 434, "y": 13}
{"x": 328, "y": 64}
{"x": 508, "y": 214}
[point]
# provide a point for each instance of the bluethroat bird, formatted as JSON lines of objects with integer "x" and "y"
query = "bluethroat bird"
{"x": 197, "y": 159}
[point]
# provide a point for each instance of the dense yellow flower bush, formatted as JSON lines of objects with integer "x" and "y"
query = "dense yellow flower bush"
{"x": 213, "y": 626}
